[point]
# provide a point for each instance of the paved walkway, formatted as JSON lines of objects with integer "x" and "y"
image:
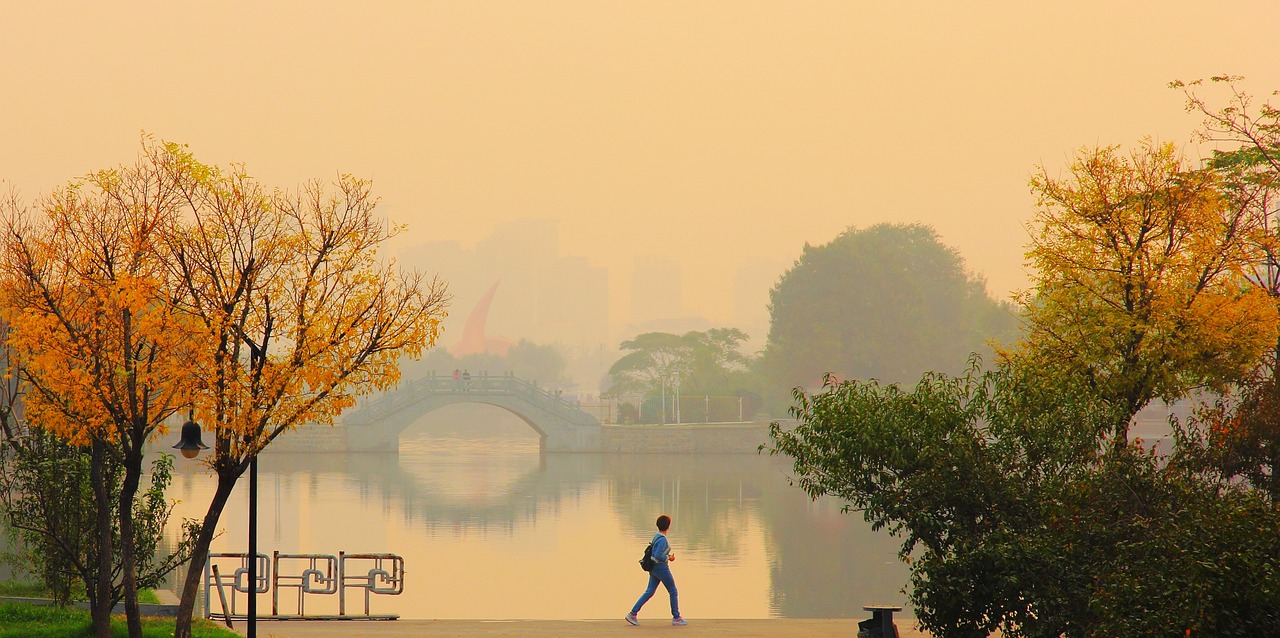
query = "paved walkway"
{"x": 652, "y": 627}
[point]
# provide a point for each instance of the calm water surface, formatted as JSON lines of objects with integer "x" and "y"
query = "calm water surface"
{"x": 491, "y": 529}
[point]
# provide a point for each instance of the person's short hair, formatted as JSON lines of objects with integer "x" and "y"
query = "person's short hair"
{"x": 664, "y": 522}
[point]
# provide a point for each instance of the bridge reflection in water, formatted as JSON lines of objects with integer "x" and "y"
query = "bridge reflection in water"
{"x": 491, "y": 528}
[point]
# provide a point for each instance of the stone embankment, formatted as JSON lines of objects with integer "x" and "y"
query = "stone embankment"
{"x": 708, "y": 438}
{"x": 685, "y": 438}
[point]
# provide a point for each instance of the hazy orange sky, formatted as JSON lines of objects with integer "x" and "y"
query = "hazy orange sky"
{"x": 710, "y": 131}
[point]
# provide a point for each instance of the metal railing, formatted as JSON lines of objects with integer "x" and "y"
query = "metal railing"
{"x": 230, "y": 583}
{"x": 385, "y": 576}
{"x": 309, "y": 575}
{"x": 318, "y": 575}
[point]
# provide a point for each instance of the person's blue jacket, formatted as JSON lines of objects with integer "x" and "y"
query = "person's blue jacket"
{"x": 660, "y": 547}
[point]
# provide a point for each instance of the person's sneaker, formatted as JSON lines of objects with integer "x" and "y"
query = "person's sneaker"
{"x": 631, "y": 618}
{"x": 679, "y": 622}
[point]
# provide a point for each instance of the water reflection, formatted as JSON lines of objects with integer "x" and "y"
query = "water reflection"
{"x": 491, "y": 529}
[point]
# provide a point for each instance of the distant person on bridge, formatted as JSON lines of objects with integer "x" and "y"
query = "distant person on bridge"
{"x": 466, "y": 379}
{"x": 660, "y": 573}
{"x": 457, "y": 378}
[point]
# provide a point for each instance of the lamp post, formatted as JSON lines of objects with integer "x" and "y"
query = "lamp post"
{"x": 190, "y": 445}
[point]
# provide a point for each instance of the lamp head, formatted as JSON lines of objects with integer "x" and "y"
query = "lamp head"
{"x": 190, "y": 443}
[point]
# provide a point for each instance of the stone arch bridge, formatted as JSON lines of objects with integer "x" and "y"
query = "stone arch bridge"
{"x": 562, "y": 427}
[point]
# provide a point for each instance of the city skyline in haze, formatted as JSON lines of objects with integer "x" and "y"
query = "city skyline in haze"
{"x": 709, "y": 136}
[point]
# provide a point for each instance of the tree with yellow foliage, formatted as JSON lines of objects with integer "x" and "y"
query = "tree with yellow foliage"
{"x": 1140, "y": 282}
{"x": 173, "y": 285}
{"x": 1247, "y": 136}
{"x": 86, "y": 288}
{"x": 1239, "y": 435}
{"x": 296, "y": 315}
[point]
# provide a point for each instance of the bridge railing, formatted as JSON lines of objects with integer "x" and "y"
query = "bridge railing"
{"x": 506, "y": 384}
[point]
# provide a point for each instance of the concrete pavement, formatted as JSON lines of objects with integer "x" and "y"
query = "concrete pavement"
{"x": 653, "y": 627}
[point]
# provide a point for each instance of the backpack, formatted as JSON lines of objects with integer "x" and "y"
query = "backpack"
{"x": 647, "y": 561}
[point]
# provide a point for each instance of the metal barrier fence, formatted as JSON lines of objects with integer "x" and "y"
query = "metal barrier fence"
{"x": 674, "y": 410}
{"x": 307, "y": 575}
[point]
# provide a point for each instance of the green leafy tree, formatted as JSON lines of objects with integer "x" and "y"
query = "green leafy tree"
{"x": 48, "y": 497}
{"x": 652, "y": 366}
{"x": 1014, "y": 518}
{"x": 48, "y": 508}
{"x": 716, "y": 363}
{"x": 888, "y": 302}
{"x": 663, "y": 365}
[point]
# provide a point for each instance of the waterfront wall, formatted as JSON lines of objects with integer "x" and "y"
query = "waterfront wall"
{"x": 737, "y": 438}
{"x": 701, "y": 438}
{"x": 312, "y": 438}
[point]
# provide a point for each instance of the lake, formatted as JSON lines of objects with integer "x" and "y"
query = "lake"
{"x": 489, "y": 528}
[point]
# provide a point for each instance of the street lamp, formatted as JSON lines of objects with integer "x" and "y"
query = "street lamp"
{"x": 190, "y": 445}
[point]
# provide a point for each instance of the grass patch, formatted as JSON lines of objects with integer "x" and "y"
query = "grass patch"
{"x": 34, "y": 621}
{"x": 36, "y": 590}
{"x": 23, "y": 590}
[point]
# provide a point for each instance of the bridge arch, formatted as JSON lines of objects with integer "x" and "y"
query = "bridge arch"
{"x": 561, "y": 426}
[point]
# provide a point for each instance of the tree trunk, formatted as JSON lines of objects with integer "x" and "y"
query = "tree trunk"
{"x": 100, "y": 601}
{"x": 128, "y": 546}
{"x": 195, "y": 568}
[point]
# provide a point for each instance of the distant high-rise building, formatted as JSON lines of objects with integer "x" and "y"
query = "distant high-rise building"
{"x": 657, "y": 289}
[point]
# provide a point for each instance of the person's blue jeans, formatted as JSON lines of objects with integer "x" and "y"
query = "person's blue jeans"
{"x": 660, "y": 573}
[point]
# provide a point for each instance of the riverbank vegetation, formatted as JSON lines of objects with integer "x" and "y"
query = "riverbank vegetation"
{"x": 38, "y": 590}
{"x": 1023, "y": 503}
{"x": 35, "y": 621}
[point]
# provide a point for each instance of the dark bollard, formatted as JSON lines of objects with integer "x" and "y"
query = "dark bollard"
{"x": 880, "y": 624}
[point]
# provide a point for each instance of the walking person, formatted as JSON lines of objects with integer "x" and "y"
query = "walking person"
{"x": 660, "y": 573}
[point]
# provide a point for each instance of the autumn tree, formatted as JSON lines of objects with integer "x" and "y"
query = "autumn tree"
{"x": 1239, "y": 434}
{"x": 85, "y": 287}
{"x": 172, "y": 285}
{"x": 1247, "y": 136}
{"x": 1140, "y": 279}
{"x": 296, "y": 315}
